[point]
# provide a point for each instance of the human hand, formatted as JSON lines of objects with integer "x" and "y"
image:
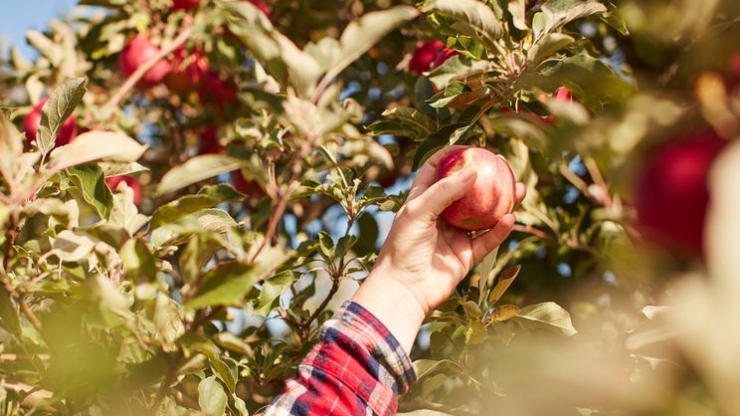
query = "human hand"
{"x": 423, "y": 258}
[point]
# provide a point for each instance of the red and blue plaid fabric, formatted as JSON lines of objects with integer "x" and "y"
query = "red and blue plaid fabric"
{"x": 357, "y": 368}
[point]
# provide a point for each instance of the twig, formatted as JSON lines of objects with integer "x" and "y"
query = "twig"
{"x": 143, "y": 69}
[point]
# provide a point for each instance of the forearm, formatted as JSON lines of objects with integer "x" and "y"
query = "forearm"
{"x": 356, "y": 367}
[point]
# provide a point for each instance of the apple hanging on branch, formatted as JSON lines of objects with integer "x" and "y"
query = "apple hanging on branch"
{"x": 493, "y": 194}
{"x": 32, "y": 121}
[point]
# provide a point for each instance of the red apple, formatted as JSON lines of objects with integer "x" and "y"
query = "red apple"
{"x": 424, "y": 55}
{"x": 217, "y": 92}
{"x": 138, "y": 51}
{"x": 671, "y": 194}
{"x": 187, "y": 71}
{"x": 246, "y": 186}
{"x": 185, "y": 4}
{"x": 493, "y": 194}
{"x": 209, "y": 141}
{"x": 443, "y": 56}
{"x": 114, "y": 181}
{"x": 32, "y": 120}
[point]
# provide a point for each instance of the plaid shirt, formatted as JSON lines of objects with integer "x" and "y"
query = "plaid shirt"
{"x": 357, "y": 368}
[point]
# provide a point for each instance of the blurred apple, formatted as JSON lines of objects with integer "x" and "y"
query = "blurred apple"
{"x": 424, "y": 55}
{"x": 671, "y": 194}
{"x": 114, "y": 181}
{"x": 187, "y": 71}
{"x": 185, "y": 4}
{"x": 246, "y": 186}
{"x": 209, "y": 140}
{"x": 138, "y": 51}
{"x": 217, "y": 92}
{"x": 32, "y": 121}
{"x": 493, "y": 194}
{"x": 443, "y": 56}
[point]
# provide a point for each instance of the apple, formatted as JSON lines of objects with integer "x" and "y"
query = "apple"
{"x": 138, "y": 51}
{"x": 443, "y": 56}
{"x": 671, "y": 192}
{"x": 216, "y": 91}
{"x": 424, "y": 55}
{"x": 114, "y": 181}
{"x": 209, "y": 141}
{"x": 246, "y": 186}
{"x": 32, "y": 121}
{"x": 187, "y": 71}
{"x": 492, "y": 195}
{"x": 185, "y": 4}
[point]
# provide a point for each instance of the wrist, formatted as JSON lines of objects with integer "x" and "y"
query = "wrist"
{"x": 393, "y": 304}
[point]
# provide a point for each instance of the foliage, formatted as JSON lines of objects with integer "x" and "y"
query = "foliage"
{"x": 267, "y": 184}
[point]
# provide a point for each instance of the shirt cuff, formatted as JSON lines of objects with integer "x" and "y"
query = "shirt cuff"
{"x": 373, "y": 335}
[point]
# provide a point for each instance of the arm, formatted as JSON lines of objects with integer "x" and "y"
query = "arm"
{"x": 361, "y": 361}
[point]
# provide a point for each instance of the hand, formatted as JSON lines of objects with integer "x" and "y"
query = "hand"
{"x": 423, "y": 259}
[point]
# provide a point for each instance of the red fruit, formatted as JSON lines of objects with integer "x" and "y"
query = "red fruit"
{"x": 185, "y": 4}
{"x": 443, "y": 56}
{"x": 186, "y": 72}
{"x": 32, "y": 120}
{"x": 209, "y": 141}
{"x": 425, "y": 54}
{"x": 216, "y": 91}
{"x": 563, "y": 94}
{"x": 138, "y": 51}
{"x": 671, "y": 193}
{"x": 113, "y": 181}
{"x": 246, "y": 186}
{"x": 492, "y": 195}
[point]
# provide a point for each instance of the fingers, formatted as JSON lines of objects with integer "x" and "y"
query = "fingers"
{"x": 430, "y": 203}
{"x": 485, "y": 243}
{"x": 520, "y": 192}
{"x": 426, "y": 175}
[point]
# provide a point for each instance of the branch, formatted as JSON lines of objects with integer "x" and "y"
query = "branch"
{"x": 143, "y": 69}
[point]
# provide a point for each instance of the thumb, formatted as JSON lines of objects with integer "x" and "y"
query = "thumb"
{"x": 444, "y": 192}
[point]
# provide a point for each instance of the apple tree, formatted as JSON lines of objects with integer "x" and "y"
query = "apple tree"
{"x": 190, "y": 188}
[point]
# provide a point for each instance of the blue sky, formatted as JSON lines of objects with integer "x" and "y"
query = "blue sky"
{"x": 20, "y": 15}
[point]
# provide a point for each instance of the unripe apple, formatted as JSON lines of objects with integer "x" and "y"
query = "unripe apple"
{"x": 138, "y": 51}
{"x": 32, "y": 121}
{"x": 492, "y": 195}
{"x": 424, "y": 55}
{"x": 187, "y": 71}
{"x": 113, "y": 181}
{"x": 185, "y": 4}
{"x": 671, "y": 192}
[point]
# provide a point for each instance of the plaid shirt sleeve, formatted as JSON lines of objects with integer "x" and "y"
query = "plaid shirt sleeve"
{"x": 357, "y": 368}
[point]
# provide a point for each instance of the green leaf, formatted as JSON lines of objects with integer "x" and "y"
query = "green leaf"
{"x": 362, "y": 34}
{"x": 197, "y": 253}
{"x": 546, "y": 46}
{"x": 9, "y": 318}
{"x": 326, "y": 245}
{"x": 72, "y": 246}
{"x": 55, "y": 111}
{"x": 226, "y": 284}
{"x": 208, "y": 197}
{"x": 547, "y": 315}
{"x": 96, "y": 146}
{"x": 89, "y": 180}
{"x": 412, "y": 118}
{"x": 205, "y": 220}
{"x": 473, "y": 14}
{"x": 195, "y": 170}
{"x": 272, "y": 289}
{"x": 212, "y": 398}
{"x": 138, "y": 261}
{"x": 558, "y": 13}
{"x": 505, "y": 279}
